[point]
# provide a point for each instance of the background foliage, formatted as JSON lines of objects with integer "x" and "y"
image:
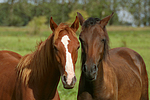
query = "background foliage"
{"x": 20, "y": 12}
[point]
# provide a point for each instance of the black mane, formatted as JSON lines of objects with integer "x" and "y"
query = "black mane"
{"x": 90, "y": 22}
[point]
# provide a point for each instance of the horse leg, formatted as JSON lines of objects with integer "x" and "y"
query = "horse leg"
{"x": 144, "y": 95}
{"x": 56, "y": 97}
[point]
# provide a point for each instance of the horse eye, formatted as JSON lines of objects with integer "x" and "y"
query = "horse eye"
{"x": 103, "y": 40}
{"x": 55, "y": 48}
{"x": 78, "y": 47}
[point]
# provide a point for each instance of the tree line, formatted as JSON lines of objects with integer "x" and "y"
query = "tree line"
{"x": 21, "y": 12}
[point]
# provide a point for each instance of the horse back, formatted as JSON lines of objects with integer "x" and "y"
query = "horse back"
{"x": 8, "y": 63}
{"x": 131, "y": 73}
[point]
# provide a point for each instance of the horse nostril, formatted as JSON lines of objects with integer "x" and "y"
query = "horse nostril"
{"x": 84, "y": 68}
{"x": 74, "y": 80}
{"x": 94, "y": 68}
{"x": 64, "y": 79}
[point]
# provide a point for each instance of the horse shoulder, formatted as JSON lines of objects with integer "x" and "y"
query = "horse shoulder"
{"x": 129, "y": 56}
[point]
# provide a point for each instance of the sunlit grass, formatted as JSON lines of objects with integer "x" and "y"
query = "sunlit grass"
{"x": 19, "y": 40}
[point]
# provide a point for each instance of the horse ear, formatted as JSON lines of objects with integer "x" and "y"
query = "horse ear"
{"x": 105, "y": 20}
{"x": 53, "y": 25}
{"x": 75, "y": 24}
{"x": 81, "y": 19}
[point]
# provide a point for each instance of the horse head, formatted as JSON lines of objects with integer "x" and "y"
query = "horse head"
{"x": 66, "y": 45}
{"x": 94, "y": 42}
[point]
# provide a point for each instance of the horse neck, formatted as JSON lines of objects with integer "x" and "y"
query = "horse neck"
{"x": 40, "y": 72}
{"x": 100, "y": 77}
{"x": 94, "y": 87}
{"x": 44, "y": 61}
{"x": 103, "y": 83}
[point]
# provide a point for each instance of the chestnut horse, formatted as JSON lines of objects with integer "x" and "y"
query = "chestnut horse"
{"x": 116, "y": 74}
{"x": 35, "y": 76}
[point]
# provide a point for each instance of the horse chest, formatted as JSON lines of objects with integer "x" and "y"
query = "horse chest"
{"x": 97, "y": 93}
{"x": 97, "y": 96}
{"x": 103, "y": 89}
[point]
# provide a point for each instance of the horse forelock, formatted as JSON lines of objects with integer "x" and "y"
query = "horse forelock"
{"x": 60, "y": 28}
{"x": 90, "y": 22}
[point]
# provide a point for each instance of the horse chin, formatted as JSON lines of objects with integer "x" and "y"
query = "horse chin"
{"x": 65, "y": 85}
{"x": 68, "y": 87}
{"x": 91, "y": 78}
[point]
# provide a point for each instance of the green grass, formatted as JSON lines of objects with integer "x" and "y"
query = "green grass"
{"x": 19, "y": 40}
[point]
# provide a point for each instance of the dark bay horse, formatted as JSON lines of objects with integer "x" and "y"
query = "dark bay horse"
{"x": 35, "y": 76}
{"x": 116, "y": 74}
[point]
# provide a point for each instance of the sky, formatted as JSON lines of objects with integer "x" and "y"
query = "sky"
{"x": 1, "y": 1}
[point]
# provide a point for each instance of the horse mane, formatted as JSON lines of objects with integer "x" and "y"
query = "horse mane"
{"x": 91, "y": 22}
{"x": 60, "y": 28}
{"x": 106, "y": 45}
{"x": 36, "y": 63}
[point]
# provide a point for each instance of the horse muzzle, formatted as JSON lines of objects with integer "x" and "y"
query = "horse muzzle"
{"x": 66, "y": 84}
{"x": 90, "y": 72}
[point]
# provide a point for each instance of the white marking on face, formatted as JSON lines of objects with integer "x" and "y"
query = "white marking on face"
{"x": 69, "y": 65}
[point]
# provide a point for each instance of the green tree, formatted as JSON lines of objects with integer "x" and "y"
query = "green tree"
{"x": 4, "y": 14}
{"x": 74, "y": 13}
{"x": 36, "y": 24}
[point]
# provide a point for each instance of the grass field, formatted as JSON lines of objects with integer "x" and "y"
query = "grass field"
{"x": 19, "y": 40}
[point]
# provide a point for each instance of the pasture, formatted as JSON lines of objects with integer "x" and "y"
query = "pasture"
{"x": 21, "y": 41}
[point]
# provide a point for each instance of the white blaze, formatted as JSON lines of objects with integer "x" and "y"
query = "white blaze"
{"x": 69, "y": 65}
